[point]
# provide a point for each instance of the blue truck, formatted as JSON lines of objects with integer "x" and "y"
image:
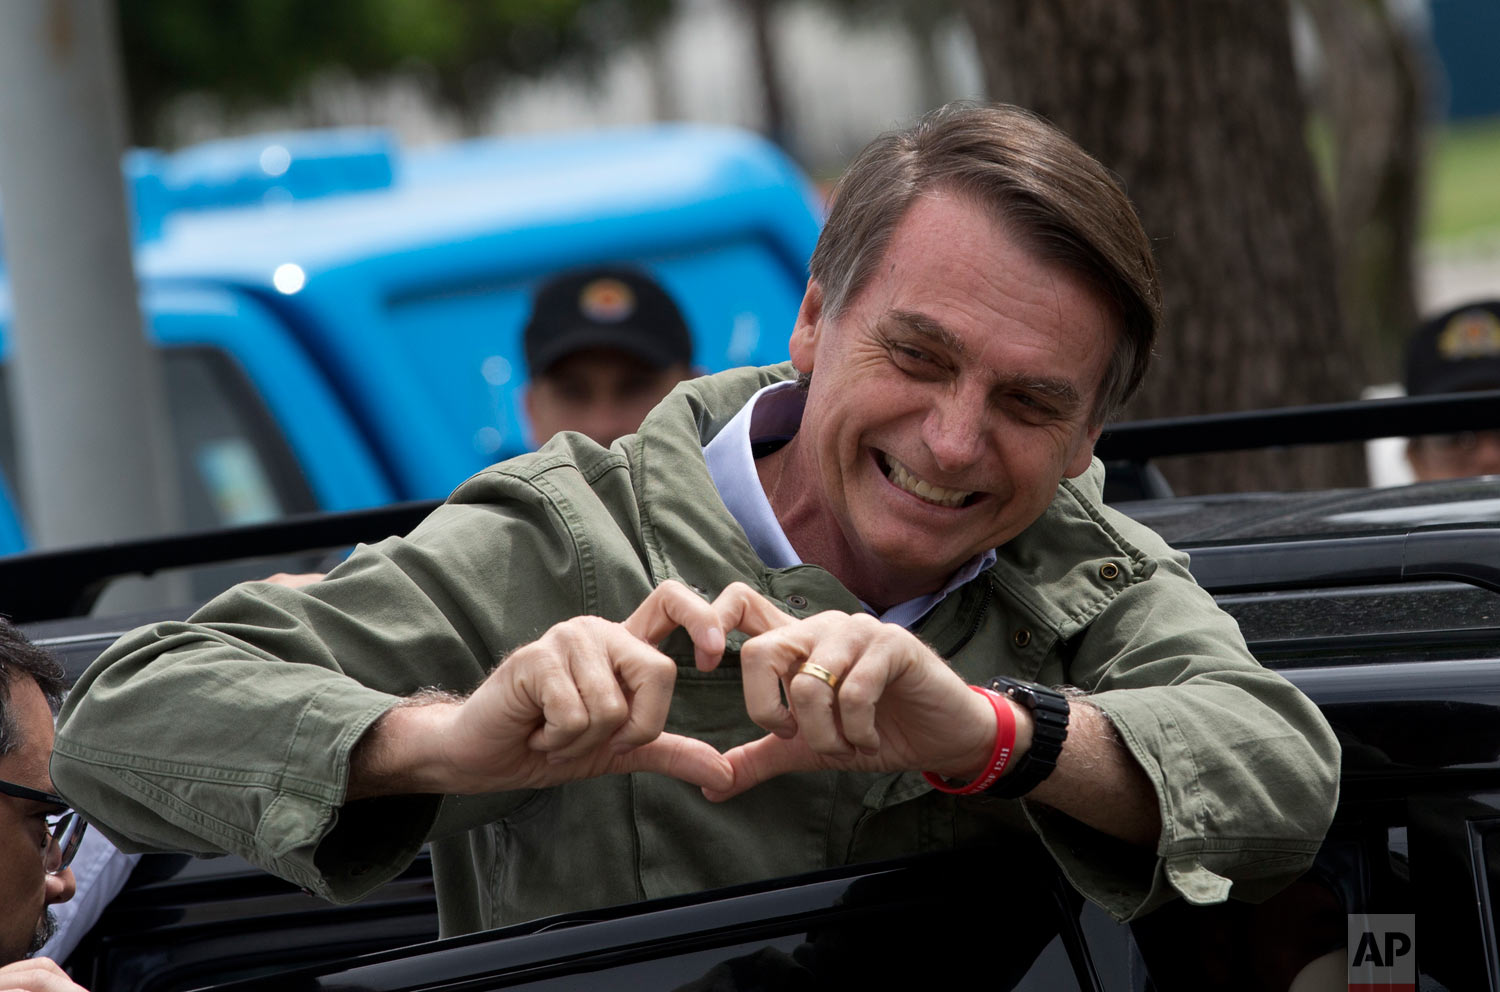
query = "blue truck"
{"x": 339, "y": 318}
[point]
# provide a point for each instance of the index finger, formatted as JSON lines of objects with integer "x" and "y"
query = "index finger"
{"x": 742, "y": 608}
{"x": 672, "y": 605}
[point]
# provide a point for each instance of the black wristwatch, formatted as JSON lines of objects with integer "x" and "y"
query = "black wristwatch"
{"x": 1049, "y": 718}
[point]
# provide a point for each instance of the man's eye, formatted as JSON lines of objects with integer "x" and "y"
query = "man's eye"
{"x": 910, "y": 358}
{"x": 635, "y": 388}
{"x": 1033, "y": 406}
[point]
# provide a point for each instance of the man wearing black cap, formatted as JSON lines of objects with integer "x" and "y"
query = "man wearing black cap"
{"x": 603, "y": 346}
{"x": 1457, "y": 351}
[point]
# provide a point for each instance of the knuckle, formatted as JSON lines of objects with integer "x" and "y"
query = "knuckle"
{"x": 855, "y": 694}
{"x": 754, "y": 651}
{"x": 565, "y": 636}
{"x": 739, "y": 590}
{"x": 669, "y": 589}
{"x": 591, "y": 624}
{"x": 805, "y": 697}
{"x": 610, "y": 710}
{"x": 570, "y": 721}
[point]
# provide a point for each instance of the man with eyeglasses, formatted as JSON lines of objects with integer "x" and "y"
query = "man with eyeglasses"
{"x": 39, "y": 834}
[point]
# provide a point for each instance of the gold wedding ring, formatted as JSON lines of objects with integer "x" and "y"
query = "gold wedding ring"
{"x": 818, "y": 672}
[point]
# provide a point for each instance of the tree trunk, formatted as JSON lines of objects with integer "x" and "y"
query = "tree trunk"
{"x": 1372, "y": 92}
{"x": 1196, "y": 107}
{"x": 773, "y": 102}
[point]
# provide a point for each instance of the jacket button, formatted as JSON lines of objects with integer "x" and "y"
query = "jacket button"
{"x": 1109, "y": 571}
{"x": 1021, "y": 637}
{"x": 797, "y": 602}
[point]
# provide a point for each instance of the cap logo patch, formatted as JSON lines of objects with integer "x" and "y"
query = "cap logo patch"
{"x": 1471, "y": 334}
{"x": 608, "y": 301}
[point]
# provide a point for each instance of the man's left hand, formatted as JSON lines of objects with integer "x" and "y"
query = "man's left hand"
{"x": 894, "y": 705}
{"x": 37, "y": 975}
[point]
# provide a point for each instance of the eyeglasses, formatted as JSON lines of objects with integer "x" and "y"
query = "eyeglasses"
{"x": 65, "y": 828}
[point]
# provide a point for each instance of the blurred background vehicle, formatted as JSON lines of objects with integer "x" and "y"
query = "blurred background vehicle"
{"x": 1318, "y": 175}
{"x": 340, "y": 318}
{"x": 1381, "y": 604}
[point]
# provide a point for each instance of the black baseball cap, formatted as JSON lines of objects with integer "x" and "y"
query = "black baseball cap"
{"x": 1456, "y": 351}
{"x": 605, "y": 307}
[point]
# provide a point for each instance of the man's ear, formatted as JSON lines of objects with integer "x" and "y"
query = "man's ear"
{"x": 528, "y": 400}
{"x": 804, "y": 342}
{"x": 1084, "y": 456}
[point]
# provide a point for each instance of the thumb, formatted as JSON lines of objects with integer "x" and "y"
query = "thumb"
{"x": 685, "y": 758}
{"x": 762, "y": 760}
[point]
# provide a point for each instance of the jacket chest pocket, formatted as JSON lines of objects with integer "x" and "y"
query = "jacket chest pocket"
{"x": 687, "y": 843}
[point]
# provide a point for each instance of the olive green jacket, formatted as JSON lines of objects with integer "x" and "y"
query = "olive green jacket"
{"x": 232, "y": 732}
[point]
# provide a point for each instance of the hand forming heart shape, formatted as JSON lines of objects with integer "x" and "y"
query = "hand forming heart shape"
{"x": 894, "y": 705}
{"x": 591, "y": 697}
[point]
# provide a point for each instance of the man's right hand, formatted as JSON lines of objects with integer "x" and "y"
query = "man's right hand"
{"x": 589, "y": 698}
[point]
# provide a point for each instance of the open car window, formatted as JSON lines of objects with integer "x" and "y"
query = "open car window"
{"x": 233, "y": 464}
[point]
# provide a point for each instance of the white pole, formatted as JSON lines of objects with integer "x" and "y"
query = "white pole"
{"x": 89, "y": 409}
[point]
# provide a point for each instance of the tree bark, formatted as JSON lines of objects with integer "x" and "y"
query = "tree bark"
{"x": 1196, "y": 106}
{"x": 1372, "y": 92}
{"x": 773, "y": 101}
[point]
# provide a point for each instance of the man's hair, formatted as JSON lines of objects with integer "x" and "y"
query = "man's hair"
{"x": 19, "y": 659}
{"x": 1048, "y": 192}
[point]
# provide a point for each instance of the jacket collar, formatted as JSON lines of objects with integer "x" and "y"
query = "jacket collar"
{"x": 1051, "y": 570}
{"x": 673, "y": 488}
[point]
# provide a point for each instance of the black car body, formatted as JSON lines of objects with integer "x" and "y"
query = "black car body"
{"x": 1382, "y": 605}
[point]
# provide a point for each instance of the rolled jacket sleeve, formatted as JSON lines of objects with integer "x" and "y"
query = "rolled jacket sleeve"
{"x": 232, "y": 733}
{"x": 1244, "y": 766}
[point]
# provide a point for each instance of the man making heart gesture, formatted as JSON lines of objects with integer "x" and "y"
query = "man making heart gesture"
{"x": 864, "y": 604}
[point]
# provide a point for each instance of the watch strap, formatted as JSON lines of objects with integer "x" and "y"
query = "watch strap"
{"x": 1049, "y": 721}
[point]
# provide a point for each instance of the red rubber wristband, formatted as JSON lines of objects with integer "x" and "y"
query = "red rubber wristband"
{"x": 1005, "y": 743}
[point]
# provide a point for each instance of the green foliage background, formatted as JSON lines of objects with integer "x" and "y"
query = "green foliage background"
{"x": 253, "y": 53}
{"x": 1463, "y": 194}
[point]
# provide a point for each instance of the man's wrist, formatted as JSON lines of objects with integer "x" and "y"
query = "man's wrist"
{"x": 976, "y": 761}
{"x": 981, "y": 724}
{"x": 400, "y": 753}
{"x": 1049, "y": 712}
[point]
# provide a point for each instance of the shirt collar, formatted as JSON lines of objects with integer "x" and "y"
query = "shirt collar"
{"x": 774, "y": 414}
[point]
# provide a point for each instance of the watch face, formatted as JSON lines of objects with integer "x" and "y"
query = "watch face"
{"x": 1019, "y": 691}
{"x": 1022, "y": 695}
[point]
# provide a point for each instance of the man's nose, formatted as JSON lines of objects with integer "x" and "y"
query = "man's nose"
{"x": 954, "y": 432}
{"x": 604, "y": 422}
{"x": 60, "y": 887}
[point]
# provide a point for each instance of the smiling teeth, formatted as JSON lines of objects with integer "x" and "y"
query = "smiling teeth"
{"x": 902, "y": 477}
